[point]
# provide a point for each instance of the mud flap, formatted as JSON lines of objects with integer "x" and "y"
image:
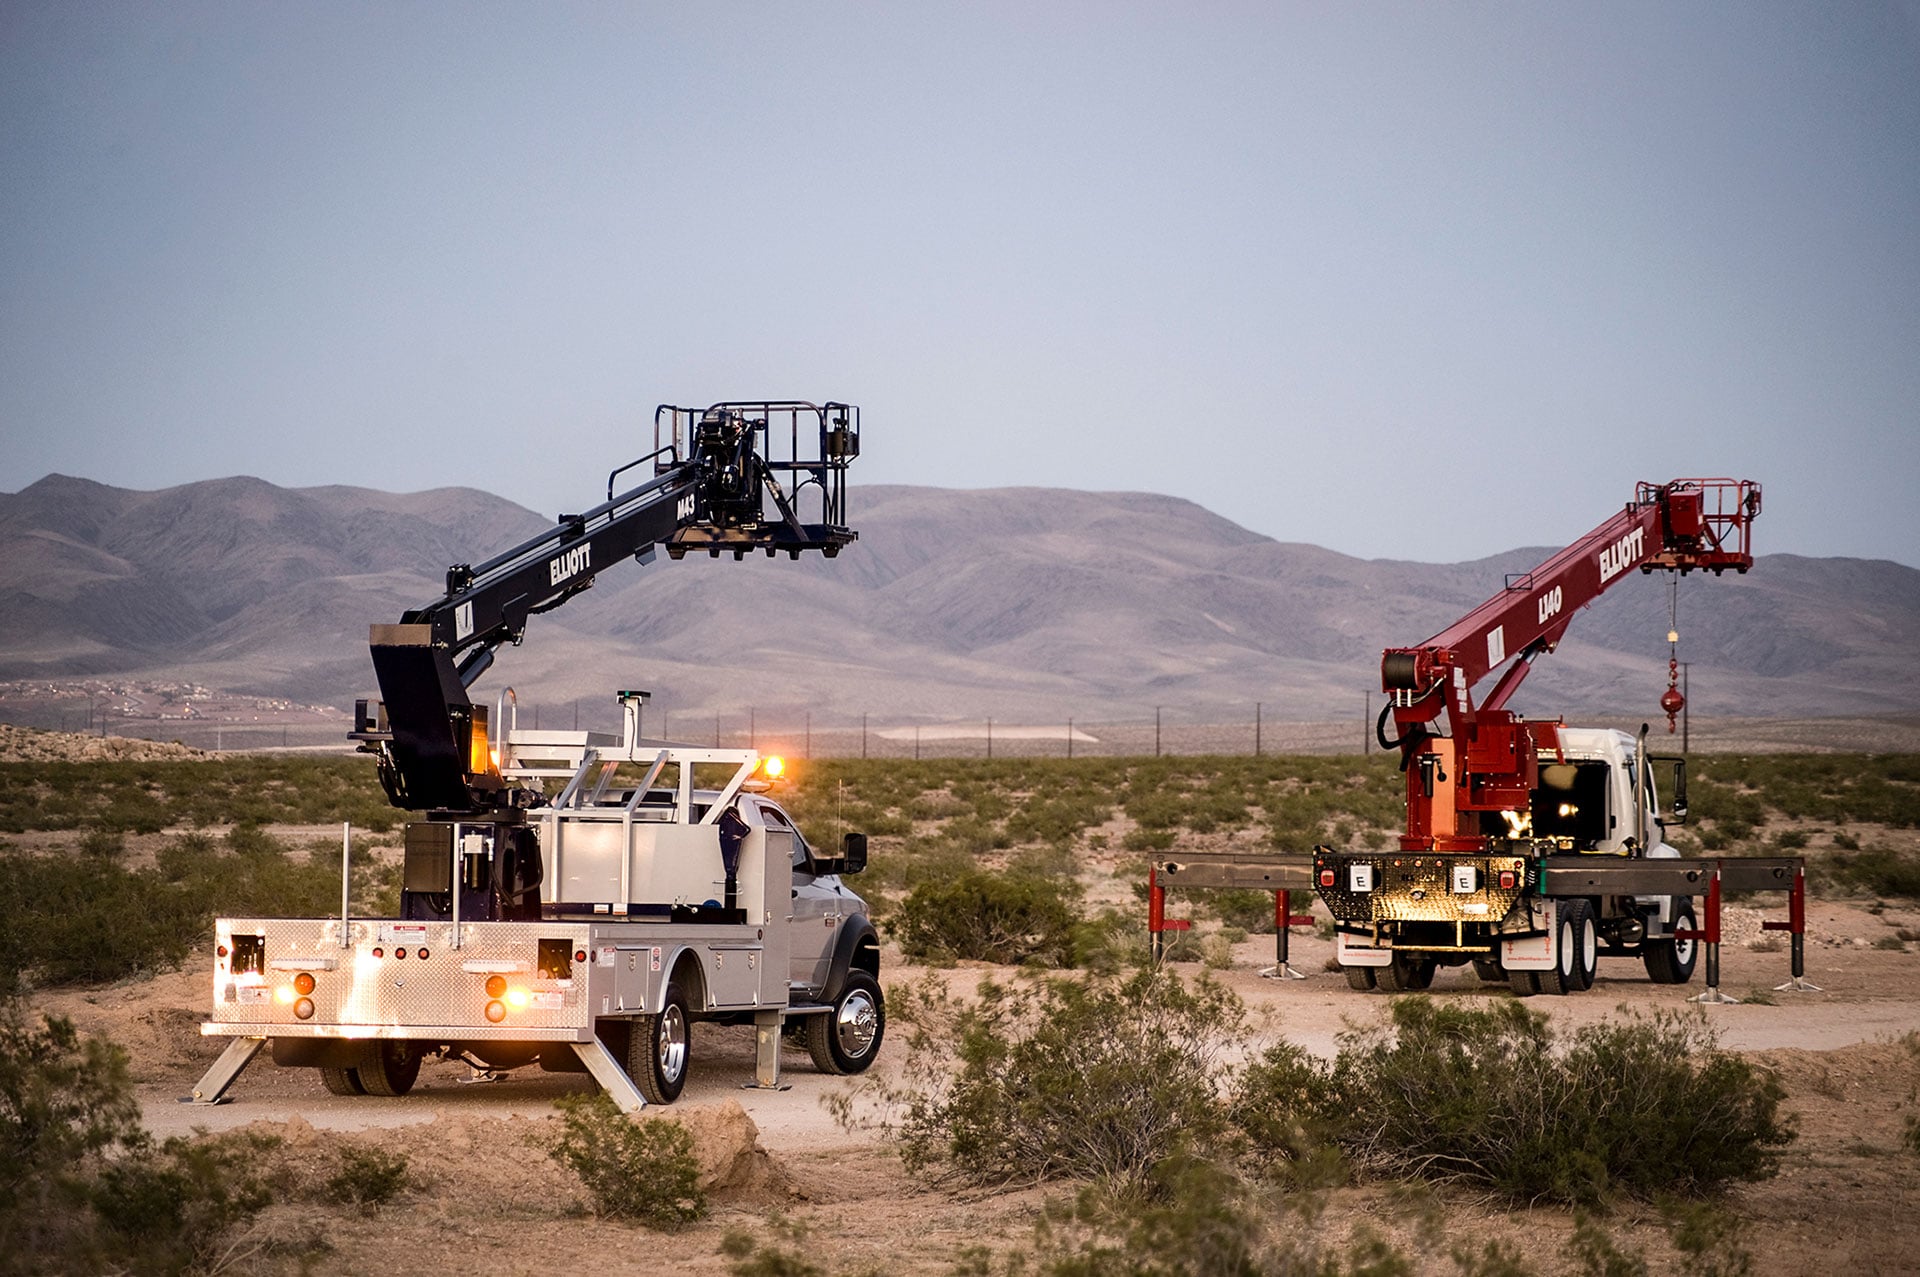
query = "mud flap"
{"x": 1351, "y": 954}
{"x": 1534, "y": 947}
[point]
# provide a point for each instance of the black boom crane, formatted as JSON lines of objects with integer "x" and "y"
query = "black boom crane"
{"x": 731, "y": 477}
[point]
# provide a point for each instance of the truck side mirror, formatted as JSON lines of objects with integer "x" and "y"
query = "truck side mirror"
{"x": 853, "y": 853}
{"x": 1677, "y": 801}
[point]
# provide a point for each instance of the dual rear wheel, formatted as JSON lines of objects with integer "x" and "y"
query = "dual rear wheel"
{"x": 385, "y": 1068}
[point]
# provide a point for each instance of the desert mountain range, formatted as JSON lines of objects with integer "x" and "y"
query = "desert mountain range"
{"x": 1027, "y": 604}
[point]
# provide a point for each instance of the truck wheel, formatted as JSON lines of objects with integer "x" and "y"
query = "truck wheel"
{"x": 1361, "y": 978}
{"x": 658, "y": 1055}
{"x": 1407, "y": 974}
{"x": 1671, "y": 961}
{"x": 1490, "y": 970}
{"x": 846, "y": 1039}
{"x": 1581, "y": 959}
{"x": 389, "y": 1068}
{"x": 343, "y": 1081}
{"x": 1523, "y": 983}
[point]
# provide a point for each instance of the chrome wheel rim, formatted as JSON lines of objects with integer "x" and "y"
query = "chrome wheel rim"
{"x": 856, "y": 1024}
{"x": 673, "y": 1043}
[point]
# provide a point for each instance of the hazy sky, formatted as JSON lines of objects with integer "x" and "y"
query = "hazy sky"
{"x": 1420, "y": 281}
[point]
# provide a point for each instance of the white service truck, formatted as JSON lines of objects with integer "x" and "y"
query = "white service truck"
{"x": 579, "y": 899}
{"x": 660, "y": 903}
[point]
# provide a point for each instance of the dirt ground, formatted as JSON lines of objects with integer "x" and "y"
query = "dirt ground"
{"x": 783, "y": 1172}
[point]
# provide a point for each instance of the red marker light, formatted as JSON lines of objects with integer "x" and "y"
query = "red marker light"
{"x": 1326, "y": 877}
{"x": 378, "y": 952}
{"x": 303, "y": 983}
{"x": 579, "y": 955}
{"x": 400, "y": 953}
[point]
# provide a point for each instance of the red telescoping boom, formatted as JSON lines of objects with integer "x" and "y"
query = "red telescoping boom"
{"x": 1486, "y": 760}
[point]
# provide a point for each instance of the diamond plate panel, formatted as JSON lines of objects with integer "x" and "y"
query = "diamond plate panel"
{"x": 354, "y": 988}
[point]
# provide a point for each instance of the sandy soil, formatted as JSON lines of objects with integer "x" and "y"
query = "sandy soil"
{"x": 1849, "y": 1198}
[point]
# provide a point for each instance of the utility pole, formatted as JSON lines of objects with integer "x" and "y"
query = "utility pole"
{"x": 1256, "y": 728}
{"x": 989, "y": 738}
{"x": 1156, "y": 731}
{"x": 1366, "y": 727}
{"x": 916, "y": 742}
{"x": 863, "y": 733}
{"x": 1069, "y": 738}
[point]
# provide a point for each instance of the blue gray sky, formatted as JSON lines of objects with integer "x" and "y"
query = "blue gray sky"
{"x": 1413, "y": 281}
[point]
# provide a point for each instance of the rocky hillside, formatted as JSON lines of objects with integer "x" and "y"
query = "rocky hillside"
{"x": 1025, "y": 604}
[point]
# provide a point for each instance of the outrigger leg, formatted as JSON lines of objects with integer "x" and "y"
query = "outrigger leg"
{"x": 212, "y": 1086}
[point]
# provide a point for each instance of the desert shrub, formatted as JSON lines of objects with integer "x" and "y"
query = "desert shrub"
{"x": 1198, "y": 1219}
{"x": 74, "y": 921}
{"x": 1144, "y": 839}
{"x": 1096, "y": 1078}
{"x": 1009, "y": 918}
{"x": 173, "y": 1209}
{"x": 368, "y": 1178}
{"x": 1876, "y": 871}
{"x": 1057, "y": 818}
{"x": 973, "y": 835}
{"x": 1599, "y": 1255}
{"x": 103, "y": 844}
{"x": 1709, "y": 1241}
{"x": 1113, "y": 940}
{"x": 1247, "y": 908}
{"x": 637, "y": 1168}
{"x": 83, "y": 1188}
{"x": 61, "y": 1100}
{"x": 1641, "y": 1107}
{"x": 147, "y": 797}
{"x": 78, "y": 920}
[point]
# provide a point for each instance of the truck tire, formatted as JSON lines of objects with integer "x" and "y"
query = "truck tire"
{"x": 342, "y": 1081}
{"x": 846, "y": 1039}
{"x": 661, "y": 1048}
{"x": 1581, "y": 960}
{"x": 1407, "y": 974}
{"x": 1671, "y": 961}
{"x": 389, "y": 1068}
{"x": 1490, "y": 970}
{"x": 1361, "y": 978}
{"x": 1523, "y": 983}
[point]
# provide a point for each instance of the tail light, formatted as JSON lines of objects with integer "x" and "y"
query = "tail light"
{"x": 1509, "y": 880}
{"x": 1326, "y": 877}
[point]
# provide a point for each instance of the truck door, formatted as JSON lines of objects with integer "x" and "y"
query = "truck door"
{"x": 816, "y": 907}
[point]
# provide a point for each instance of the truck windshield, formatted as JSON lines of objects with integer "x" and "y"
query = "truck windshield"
{"x": 1570, "y": 805}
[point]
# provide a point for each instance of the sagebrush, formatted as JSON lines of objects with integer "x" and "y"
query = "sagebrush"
{"x": 638, "y": 1168}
